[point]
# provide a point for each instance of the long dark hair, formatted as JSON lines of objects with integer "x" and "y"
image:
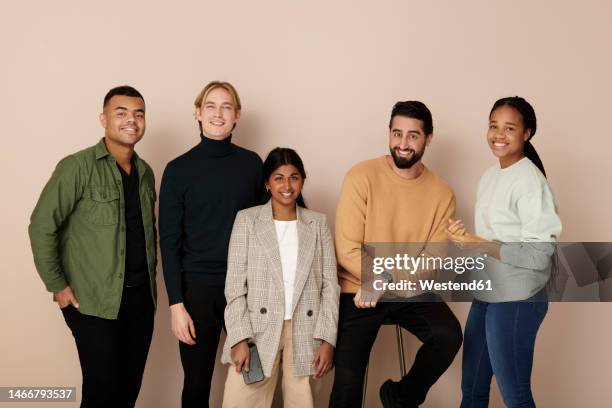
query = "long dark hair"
{"x": 529, "y": 122}
{"x": 281, "y": 156}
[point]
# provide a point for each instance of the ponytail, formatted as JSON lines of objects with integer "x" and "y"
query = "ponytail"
{"x": 532, "y": 154}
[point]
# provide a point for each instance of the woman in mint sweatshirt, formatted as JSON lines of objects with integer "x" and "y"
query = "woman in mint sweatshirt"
{"x": 516, "y": 226}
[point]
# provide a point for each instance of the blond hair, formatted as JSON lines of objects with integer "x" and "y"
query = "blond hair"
{"x": 214, "y": 85}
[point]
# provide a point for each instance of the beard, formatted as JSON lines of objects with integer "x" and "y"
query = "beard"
{"x": 406, "y": 163}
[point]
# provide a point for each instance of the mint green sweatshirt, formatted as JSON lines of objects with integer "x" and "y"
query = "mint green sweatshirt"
{"x": 515, "y": 206}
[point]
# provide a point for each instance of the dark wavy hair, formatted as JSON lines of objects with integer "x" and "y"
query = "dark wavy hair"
{"x": 123, "y": 90}
{"x": 281, "y": 156}
{"x": 529, "y": 122}
{"x": 414, "y": 110}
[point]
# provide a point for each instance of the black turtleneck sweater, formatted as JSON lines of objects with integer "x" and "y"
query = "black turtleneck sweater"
{"x": 201, "y": 192}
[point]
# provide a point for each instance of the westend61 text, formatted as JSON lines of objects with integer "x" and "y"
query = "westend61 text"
{"x": 430, "y": 284}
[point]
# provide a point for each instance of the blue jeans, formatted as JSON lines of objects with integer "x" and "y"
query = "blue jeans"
{"x": 499, "y": 339}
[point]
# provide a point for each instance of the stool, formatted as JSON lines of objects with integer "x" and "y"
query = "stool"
{"x": 400, "y": 355}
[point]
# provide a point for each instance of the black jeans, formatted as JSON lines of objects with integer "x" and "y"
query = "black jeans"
{"x": 205, "y": 304}
{"x": 113, "y": 353}
{"x": 432, "y": 322}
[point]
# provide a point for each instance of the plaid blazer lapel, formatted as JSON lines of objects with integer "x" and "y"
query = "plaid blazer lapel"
{"x": 266, "y": 234}
{"x": 306, "y": 247}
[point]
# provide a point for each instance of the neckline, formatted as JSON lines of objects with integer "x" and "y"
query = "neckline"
{"x": 512, "y": 166}
{"x": 395, "y": 177}
{"x": 216, "y": 148}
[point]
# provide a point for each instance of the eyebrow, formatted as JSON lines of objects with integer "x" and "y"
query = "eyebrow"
{"x": 507, "y": 123}
{"x": 415, "y": 132}
{"x": 125, "y": 109}
{"x": 292, "y": 174}
{"x": 222, "y": 103}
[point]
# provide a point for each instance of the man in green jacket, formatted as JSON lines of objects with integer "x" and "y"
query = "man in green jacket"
{"x": 94, "y": 244}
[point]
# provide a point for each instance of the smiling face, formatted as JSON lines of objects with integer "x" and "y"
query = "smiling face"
{"x": 285, "y": 185}
{"x": 507, "y": 135}
{"x": 218, "y": 114}
{"x": 123, "y": 120}
{"x": 407, "y": 141}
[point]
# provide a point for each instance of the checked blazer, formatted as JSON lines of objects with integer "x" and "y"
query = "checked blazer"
{"x": 256, "y": 297}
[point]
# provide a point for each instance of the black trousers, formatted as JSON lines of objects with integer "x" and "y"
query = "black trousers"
{"x": 205, "y": 304}
{"x": 432, "y": 322}
{"x": 113, "y": 353}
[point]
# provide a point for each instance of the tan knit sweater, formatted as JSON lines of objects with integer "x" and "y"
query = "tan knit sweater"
{"x": 376, "y": 205}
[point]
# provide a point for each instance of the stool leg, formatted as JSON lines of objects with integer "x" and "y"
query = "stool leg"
{"x": 400, "y": 350}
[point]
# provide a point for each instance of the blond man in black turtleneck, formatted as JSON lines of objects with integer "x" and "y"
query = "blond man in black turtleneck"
{"x": 201, "y": 192}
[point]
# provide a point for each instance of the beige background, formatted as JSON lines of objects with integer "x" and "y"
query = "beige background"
{"x": 320, "y": 77}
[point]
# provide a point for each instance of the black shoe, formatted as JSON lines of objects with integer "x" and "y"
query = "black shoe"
{"x": 390, "y": 396}
{"x": 387, "y": 394}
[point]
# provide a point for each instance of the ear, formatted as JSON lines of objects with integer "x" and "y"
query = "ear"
{"x": 198, "y": 113}
{"x": 428, "y": 139}
{"x": 527, "y": 135}
{"x": 237, "y": 115}
{"x": 103, "y": 120}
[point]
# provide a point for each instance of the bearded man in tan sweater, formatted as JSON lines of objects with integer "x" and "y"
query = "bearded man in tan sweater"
{"x": 392, "y": 199}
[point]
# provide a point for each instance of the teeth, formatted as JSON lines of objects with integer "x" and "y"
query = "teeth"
{"x": 286, "y": 194}
{"x": 403, "y": 152}
{"x": 499, "y": 144}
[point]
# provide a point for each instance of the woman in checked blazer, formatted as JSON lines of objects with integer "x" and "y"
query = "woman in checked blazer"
{"x": 282, "y": 291}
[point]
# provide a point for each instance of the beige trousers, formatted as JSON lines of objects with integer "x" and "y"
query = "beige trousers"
{"x": 296, "y": 390}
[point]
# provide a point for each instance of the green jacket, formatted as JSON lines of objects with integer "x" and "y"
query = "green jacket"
{"x": 77, "y": 229}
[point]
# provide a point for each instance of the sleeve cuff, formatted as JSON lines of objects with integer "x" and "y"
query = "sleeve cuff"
{"x": 237, "y": 338}
{"x": 56, "y": 284}
{"x": 328, "y": 337}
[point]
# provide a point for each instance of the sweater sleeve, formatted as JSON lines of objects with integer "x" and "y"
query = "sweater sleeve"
{"x": 446, "y": 211}
{"x": 171, "y": 215}
{"x": 259, "y": 189}
{"x": 435, "y": 244}
{"x": 540, "y": 229}
{"x": 435, "y": 247}
{"x": 350, "y": 223}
